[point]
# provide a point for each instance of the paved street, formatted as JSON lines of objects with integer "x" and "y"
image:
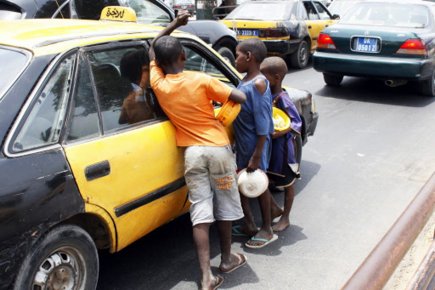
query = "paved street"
{"x": 372, "y": 151}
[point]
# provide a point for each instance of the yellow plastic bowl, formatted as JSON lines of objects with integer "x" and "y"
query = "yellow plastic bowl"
{"x": 281, "y": 120}
{"x": 228, "y": 112}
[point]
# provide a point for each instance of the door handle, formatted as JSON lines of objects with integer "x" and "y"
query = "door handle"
{"x": 97, "y": 170}
{"x": 309, "y": 27}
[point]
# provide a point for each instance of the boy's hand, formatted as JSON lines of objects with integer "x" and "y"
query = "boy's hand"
{"x": 253, "y": 164}
{"x": 182, "y": 18}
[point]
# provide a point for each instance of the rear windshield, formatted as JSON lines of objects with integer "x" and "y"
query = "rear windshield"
{"x": 262, "y": 11}
{"x": 383, "y": 14}
{"x": 12, "y": 64}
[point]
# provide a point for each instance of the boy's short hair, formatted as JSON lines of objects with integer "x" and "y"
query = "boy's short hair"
{"x": 167, "y": 50}
{"x": 256, "y": 47}
{"x": 275, "y": 65}
{"x": 131, "y": 64}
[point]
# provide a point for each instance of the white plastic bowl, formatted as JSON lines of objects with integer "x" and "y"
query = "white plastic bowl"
{"x": 252, "y": 184}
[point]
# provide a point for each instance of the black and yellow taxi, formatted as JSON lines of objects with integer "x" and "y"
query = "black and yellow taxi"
{"x": 74, "y": 179}
{"x": 288, "y": 28}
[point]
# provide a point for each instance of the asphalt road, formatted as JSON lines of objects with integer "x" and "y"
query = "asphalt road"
{"x": 373, "y": 150}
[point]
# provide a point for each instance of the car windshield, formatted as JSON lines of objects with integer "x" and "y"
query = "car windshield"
{"x": 388, "y": 14}
{"x": 340, "y": 7}
{"x": 146, "y": 11}
{"x": 13, "y": 63}
{"x": 262, "y": 11}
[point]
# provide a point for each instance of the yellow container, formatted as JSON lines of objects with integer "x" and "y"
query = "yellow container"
{"x": 228, "y": 112}
{"x": 281, "y": 120}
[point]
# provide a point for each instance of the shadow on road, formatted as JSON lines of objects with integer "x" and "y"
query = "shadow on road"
{"x": 166, "y": 258}
{"x": 375, "y": 91}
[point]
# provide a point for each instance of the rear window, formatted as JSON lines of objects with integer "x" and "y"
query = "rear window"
{"x": 262, "y": 11}
{"x": 386, "y": 14}
{"x": 12, "y": 64}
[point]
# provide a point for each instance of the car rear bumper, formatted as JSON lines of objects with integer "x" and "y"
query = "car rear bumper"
{"x": 373, "y": 66}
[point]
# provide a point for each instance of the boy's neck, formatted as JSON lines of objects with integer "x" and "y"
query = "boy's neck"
{"x": 276, "y": 89}
{"x": 172, "y": 70}
{"x": 252, "y": 73}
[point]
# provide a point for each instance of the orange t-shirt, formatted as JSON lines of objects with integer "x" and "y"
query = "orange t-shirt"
{"x": 186, "y": 98}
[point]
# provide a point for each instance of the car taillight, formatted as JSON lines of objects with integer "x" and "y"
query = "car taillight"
{"x": 413, "y": 46}
{"x": 325, "y": 41}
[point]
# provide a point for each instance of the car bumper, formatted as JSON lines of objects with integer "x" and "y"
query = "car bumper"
{"x": 373, "y": 66}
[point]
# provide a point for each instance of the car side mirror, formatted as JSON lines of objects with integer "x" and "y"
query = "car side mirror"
{"x": 335, "y": 16}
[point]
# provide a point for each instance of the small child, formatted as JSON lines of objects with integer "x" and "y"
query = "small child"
{"x": 136, "y": 107}
{"x": 252, "y": 130}
{"x": 282, "y": 171}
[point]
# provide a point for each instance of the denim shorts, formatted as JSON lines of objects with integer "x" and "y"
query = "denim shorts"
{"x": 210, "y": 174}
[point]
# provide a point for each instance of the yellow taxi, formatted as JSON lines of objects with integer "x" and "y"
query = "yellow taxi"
{"x": 75, "y": 177}
{"x": 288, "y": 28}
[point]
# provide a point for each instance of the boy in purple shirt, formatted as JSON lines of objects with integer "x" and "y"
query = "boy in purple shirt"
{"x": 283, "y": 166}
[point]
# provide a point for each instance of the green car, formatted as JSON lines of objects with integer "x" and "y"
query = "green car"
{"x": 389, "y": 40}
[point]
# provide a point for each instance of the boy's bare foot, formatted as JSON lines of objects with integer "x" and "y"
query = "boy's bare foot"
{"x": 237, "y": 260}
{"x": 281, "y": 225}
{"x": 215, "y": 283}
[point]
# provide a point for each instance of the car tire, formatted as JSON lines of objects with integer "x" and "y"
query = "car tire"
{"x": 427, "y": 87}
{"x": 332, "y": 79}
{"x": 299, "y": 59}
{"x": 66, "y": 257}
{"x": 227, "y": 54}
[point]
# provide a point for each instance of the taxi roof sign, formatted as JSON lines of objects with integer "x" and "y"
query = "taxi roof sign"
{"x": 118, "y": 13}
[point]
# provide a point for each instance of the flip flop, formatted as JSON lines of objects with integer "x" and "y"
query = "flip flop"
{"x": 236, "y": 231}
{"x": 218, "y": 282}
{"x": 264, "y": 242}
{"x": 242, "y": 259}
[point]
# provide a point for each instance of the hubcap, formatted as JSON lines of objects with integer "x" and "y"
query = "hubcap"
{"x": 62, "y": 270}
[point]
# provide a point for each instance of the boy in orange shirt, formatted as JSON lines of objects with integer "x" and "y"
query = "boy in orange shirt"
{"x": 186, "y": 98}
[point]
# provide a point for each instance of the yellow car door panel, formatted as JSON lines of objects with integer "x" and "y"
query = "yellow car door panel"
{"x": 127, "y": 165}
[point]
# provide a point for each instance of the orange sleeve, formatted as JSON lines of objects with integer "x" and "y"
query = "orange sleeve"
{"x": 156, "y": 75}
{"x": 218, "y": 91}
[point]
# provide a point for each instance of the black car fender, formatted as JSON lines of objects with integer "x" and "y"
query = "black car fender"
{"x": 212, "y": 32}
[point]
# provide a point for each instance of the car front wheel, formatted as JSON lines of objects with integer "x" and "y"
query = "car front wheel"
{"x": 427, "y": 87}
{"x": 227, "y": 54}
{"x": 65, "y": 258}
{"x": 332, "y": 79}
{"x": 299, "y": 59}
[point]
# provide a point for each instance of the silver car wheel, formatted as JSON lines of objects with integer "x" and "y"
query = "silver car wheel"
{"x": 62, "y": 270}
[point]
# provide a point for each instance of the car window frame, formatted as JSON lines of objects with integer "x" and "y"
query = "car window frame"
{"x": 28, "y": 106}
{"x": 324, "y": 7}
{"x": 128, "y": 127}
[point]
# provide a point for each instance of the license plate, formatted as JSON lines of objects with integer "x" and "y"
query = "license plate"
{"x": 366, "y": 44}
{"x": 248, "y": 32}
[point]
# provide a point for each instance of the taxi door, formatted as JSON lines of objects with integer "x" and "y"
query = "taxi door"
{"x": 130, "y": 168}
{"x": 318, "y": 17}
